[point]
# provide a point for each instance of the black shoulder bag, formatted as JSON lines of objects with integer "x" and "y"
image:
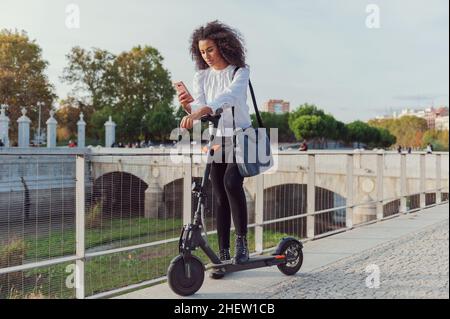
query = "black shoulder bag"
{"x": 251, "y": 145}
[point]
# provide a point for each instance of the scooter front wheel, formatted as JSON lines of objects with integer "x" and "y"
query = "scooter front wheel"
{"x": 180, "y": 282}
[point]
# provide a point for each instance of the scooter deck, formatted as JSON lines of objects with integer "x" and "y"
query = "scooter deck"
{"x": 252, "y": 263}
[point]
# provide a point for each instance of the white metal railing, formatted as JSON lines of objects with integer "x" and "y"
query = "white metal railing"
{"x": 81, "y": 256}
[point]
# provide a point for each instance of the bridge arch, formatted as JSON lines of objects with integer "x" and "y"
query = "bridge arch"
{"x": 285, "y": 200}
{"x": 120, "y": 194}
{"x": 173, "y": 196}
{"x": 333, "y": 183}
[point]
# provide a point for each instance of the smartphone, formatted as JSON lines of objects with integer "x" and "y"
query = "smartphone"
{"x": 180, "y": 87}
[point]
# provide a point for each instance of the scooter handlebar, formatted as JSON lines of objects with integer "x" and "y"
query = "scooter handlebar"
{"x": 212, "y": 117}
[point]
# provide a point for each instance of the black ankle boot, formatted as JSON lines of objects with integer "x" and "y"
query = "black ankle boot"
{"x": 224, "y": 254}
{"x": 242, "y": 254}
{"x": 218, "y": 273}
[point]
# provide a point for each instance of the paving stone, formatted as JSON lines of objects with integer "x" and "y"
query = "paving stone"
{"x": 415, "y": 266}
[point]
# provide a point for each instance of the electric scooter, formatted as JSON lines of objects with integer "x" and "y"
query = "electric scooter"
{"x": 186, "y": 271}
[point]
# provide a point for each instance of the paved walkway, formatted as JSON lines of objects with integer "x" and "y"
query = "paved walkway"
{"x": 410, "y": 254}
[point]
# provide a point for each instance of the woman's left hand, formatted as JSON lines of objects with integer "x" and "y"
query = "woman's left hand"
{"x": 188, "y": 121}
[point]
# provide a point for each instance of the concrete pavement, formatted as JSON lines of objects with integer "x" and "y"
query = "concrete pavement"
{"x": 410, "y": 251}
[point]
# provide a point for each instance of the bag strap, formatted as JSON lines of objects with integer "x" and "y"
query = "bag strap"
{"x": 234, "y": 135}
{"x": 252, "y": 92}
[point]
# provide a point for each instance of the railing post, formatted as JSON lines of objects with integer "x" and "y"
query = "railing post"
{"x": 187, "y": 189}
{"x": 349, "y": 201}
{"x": 380, "y": 174}
{"x": 311, "y": 196}
{"x": 422, "y": 181}
{"x": 438, "y": 179}
{"x": 403, "y": 191}
{"x": 259, "y": 213}
{"x": 80, "y": 226}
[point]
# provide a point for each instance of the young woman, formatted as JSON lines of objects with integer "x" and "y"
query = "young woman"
{"x": 218, "y": 51}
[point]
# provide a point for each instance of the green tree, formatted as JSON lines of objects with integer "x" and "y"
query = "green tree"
{"x": 408, "y": 130}
{"x": 323, "y": 126}
{"x": 67, "y": 116}
{"x": 439, "y": 139}
{"x": 279, "y": 121}
{"x": 179, "y": 114}
{"x": 23, "y": 82}
{"x": 386, "y": 138}
{"x": 331, "y": 129}
{"x": 89, "y": 72}
{"x": 309, "y": 127}
{"x": 129, "y": 87}
{"x": 139, "y": 78}
{"x": 98, "y": 120}
{"x": 341, "y": 132}
{"x": 160, "y": 122}
{"x": 360, "y": 132}
{"x": 306, "y": 109}
{"x": 371, "y": 136}
{"x": 141, "y": 86}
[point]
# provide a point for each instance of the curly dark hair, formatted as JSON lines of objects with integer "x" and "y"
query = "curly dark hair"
{"x": 229, "y": 41}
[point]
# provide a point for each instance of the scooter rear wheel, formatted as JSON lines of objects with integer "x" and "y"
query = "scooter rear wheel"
{"x": 178, "y": 280}
{"x": 294, "y": 257}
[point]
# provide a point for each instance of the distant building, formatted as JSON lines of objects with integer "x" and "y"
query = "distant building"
{"x": 436, "y": 118}
{"x": 442, "y": 111}
{"x": 276, "y": 106}
{"x": 430, "y": 116}
{"x": 411, "y": 112}
{"x": 441, "y": 123}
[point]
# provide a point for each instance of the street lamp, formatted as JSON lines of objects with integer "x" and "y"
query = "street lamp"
{"x": 39, "y": 123}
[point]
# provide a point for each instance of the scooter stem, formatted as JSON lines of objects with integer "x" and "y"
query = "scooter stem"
{"x": 214, "y": 119}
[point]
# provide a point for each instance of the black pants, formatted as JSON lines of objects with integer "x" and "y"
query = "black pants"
{"x": 229, "y": 197}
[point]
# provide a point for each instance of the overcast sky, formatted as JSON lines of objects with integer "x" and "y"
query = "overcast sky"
{"x": 311, "y": 51}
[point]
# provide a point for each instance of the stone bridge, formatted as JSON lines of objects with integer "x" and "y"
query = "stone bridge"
{"x": 159, "y": 178}
{"x": 376, "y": 176}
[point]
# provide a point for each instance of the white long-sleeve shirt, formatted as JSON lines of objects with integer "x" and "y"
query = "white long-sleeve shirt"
{"x": 215, "y": 88}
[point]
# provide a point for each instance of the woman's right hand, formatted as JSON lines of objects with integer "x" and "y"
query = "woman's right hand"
{"x": 184, "y": 99}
